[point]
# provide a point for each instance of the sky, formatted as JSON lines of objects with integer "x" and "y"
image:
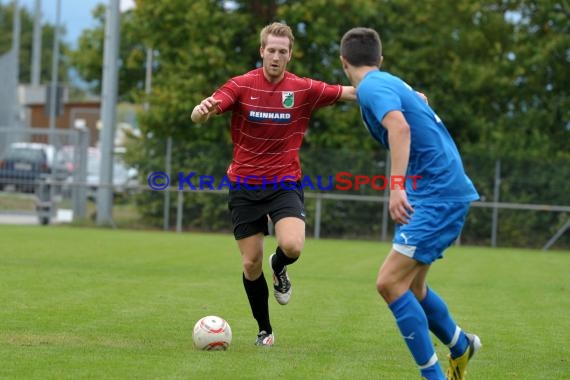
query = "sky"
{"x": 75, "y": 14}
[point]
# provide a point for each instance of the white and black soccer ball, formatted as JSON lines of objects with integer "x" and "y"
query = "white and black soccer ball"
{"x": 212, "y": 333}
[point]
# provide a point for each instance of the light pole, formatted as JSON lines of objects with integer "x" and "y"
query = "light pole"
{"x": 108, "y": 108}
{"x": 54, "y": 73}
{"x": 37, "y": 45}
{"x": 16, "y": 39}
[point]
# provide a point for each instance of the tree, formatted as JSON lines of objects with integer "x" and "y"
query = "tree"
{"x": 190, "y": 65}
{"x": 539, "y": 61}
{"x": 87, "y": 59}
{"x": 494, "y": 70}
{"x": 26, "y": 41}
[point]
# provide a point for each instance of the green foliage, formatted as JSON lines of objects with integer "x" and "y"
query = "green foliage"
{"x": 88, "y": 57}
{"x": 541, "y": 102}
{"x": 495, "y": 71}
{"x": 26, "y": 41}
{"x": 318, "y": 30}
{"x": 190, "y": 65}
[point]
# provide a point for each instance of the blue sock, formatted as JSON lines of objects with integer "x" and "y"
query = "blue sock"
{"x": 413, "y": 326}
{"x": 442, "y": 325}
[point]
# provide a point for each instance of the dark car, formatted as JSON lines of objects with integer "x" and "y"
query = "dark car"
{"x": 23, "y": 165}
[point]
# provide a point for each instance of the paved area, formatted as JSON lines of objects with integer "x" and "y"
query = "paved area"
{"x": 31, "y": 218}
{"x": 19, "y": 218}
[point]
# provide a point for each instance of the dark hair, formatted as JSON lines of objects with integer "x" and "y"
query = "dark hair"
{"x": 361, "y": 47}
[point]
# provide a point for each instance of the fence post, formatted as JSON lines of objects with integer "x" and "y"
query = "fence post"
{"x": 166, "y": 211}
{"x": 179, "y": 208}
{"x": 318, "y": 213}
{"x": 556, "y": 236}
{"x": 80, "y": 156}
{"x": 496, "y": 196}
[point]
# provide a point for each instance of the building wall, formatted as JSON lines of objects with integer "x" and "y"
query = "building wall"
{"x": 72, "y": 111}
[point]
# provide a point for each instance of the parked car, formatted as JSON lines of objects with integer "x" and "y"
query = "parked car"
{"x": 124, "y": 177}
{"x": 64, "y": 162}
{"x": 24, "y": 164}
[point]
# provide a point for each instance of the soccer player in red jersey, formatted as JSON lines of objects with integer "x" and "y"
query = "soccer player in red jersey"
{"x": 271, "y": 108}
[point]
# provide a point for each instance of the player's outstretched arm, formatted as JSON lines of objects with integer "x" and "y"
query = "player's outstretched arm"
{"x": 348, "y": 94}
{"x": 205, "y": 109}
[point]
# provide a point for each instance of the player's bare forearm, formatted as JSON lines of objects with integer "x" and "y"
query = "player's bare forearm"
{"x": 399, "y": 138}
{"x": 348, "y": 94}
{"x": 202, "y": 112}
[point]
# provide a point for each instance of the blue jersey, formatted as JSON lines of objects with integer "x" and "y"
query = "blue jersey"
{"x": 433, "y": 153}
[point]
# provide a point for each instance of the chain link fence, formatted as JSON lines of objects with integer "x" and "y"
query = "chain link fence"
{"x": 43, "y": 171}
{"x": 525, "y": 201}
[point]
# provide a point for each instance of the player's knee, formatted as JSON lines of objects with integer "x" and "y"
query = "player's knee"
{"x": 386, "y": 288}
{"x": 292, "y": 247}
{"x": 252, "y": 267}
{"x": 381, "y": 286}
{"x": 419, "y": 291}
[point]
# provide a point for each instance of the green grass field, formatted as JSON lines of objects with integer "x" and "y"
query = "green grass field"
{"x": 78, "y": 303}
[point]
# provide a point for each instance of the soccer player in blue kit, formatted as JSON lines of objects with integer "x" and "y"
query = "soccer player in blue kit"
{"x": 429, "y": 216}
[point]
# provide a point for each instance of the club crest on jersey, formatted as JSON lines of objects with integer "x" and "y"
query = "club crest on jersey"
{"x": 288, "y": 99}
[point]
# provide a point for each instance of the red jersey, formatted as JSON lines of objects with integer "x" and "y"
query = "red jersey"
{"x": 269, "y": 121}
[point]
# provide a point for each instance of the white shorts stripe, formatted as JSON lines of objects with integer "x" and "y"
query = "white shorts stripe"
{"x": 406, "y": 250}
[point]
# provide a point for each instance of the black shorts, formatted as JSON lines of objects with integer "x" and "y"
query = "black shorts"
{"x": 250, "y": 208}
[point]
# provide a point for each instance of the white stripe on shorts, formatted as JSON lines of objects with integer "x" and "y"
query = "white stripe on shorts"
{"x": 406, "y": 250}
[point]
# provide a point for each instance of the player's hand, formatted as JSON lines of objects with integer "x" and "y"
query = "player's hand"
{"x": 400, "y": 209}
{"x": 202, "y": 111}
{"x": 207, "y": 105}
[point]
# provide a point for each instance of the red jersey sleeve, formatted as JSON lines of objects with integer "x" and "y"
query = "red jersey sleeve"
{"x": 228, "y": 94}
{"x": 324, "y": 93}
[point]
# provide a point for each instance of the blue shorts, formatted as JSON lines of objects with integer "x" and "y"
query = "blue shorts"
{"x": 432, "y": 228}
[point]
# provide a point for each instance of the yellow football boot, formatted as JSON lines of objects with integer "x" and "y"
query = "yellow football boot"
{"x": 458, "y": 367}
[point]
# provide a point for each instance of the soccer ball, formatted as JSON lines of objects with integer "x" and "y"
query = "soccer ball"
{"x": 212, "y": 333}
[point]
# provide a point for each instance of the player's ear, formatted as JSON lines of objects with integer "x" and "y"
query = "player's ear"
{"x": 261, "y": 51}
{"x": 381, "y": 60}
{"x": 343, "y": 62}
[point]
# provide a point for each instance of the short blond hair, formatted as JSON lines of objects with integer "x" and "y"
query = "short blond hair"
{"x": 276, "y": 29}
